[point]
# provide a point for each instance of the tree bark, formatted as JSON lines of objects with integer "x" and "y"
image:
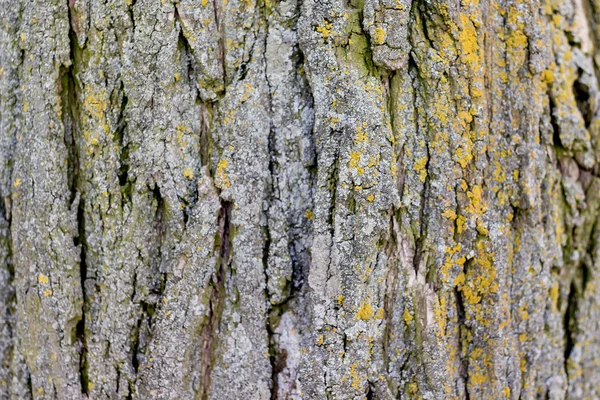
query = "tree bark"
{"x": 317, "y": 199}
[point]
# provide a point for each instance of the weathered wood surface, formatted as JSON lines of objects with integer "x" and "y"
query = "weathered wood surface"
{"x": 245, "y": 199}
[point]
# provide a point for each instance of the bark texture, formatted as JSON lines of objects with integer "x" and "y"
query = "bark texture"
{"x": 285, "y": 199}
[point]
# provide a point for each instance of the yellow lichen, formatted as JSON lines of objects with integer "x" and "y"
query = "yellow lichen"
{"x": 365, "y": 312}
{"x": 325, "y": 28}
{"x": 361, "y": 135}
{"x": 354, "y": 159}
{"x": 450, "y": 214}
{"x": 420, "y": 168}
{"x": 309, "y": 214}
{"x": 468, "y": 42}
{"x": 379, "y": 35}
{"x": 460, "y": 224}
{"x": 17, "y": 183}
{"x": 43, "y": 279}
{"x": 188, "y": 173}
{"x": 355, "y": 377}
{"x": 407, "y": 317}
{"x": 221, "y": 177}
{"x": 370, "y": 197}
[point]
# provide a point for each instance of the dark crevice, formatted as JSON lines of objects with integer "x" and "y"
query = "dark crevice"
{"x": 80, "y": 327}
{"x": 370, "y": 393}
{"x": 332, "y": 182}
{"x": 125, "y": 182}
{"x": 390, "y": 248}
{"x": 209, "y": 343}
{"x": 277, "y": 358}
{"x": 581, "y": 92}
{"x": 186, "y": 51}
{"x": 205, "y": 137}
{"x": 462, "y": 336}
{"x": 135, "y": 362}
{"x": 29, "y": 384}
{"x": 569, "y": 322}
{"x": 131, "y": 16}
{"x": 299, "y": 254}
{"x": 69, "y": 108}
{"x": 558, "y": 145}
{"x": 278, "y": 364}
{"x": 159, "y": 283}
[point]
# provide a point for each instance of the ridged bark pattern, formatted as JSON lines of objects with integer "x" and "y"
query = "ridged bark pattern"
{"x": 299, "y": 199}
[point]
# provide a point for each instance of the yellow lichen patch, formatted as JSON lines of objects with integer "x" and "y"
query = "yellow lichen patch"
{"x": 420, "y": 168}
{"x": 476, "y": 92}
{"x": 450, "y": 214}
{"x": 394, "y": 170}
{"x": 221, "y": 177}
{"x": 516, "y": 39}
{"x": 370, "y": 197}
{"x": 248, "y": 90}
{"x": 320, "y": 340}
{"x": 356, "y": 382}
{"x": 548, "y": 76}
{"x": 460, "y": 279}
{"x": 373, "y": 161}
{"x": 481, "y": 227}
{"x": 460, "y": 224}
{"x": 523, "y": 337}
{"x": 477, "y": 205}
{"x": 379, "y": 35}
{"x": 340, "y": 299}
{"x": 325, "y": 28}
{"x": 354, "y": 159}
{"x": 554, "y": 294}
{"x": 95, "y": 104}
{"x": 463, "y": 156}
{"x": 407, "y": 317}
{"x": 309, "y": 214}
{"x": 47, "y": 292}
{"x": 43, "y": 279}
{"x": 365, "y": 312}
{"x": 467, "y": 40}
{"x": 361, "y": 135}
{"x": 481, "y": 277}
{"x": 506, "y": 392}
{"x": 188, "y": 173}
{"x": 477, "y": 378}
{"x": 26, "y": 106}
{"x": 17, "y": 183}
{"x": 379, "y": 314}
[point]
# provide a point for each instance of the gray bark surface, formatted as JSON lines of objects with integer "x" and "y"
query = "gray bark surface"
{"x": 316, "y": 199}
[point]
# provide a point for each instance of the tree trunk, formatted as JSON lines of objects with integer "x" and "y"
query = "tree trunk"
{"x": 326, "y": 199}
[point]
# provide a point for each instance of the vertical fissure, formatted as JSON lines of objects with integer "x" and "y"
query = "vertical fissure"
{"x": 223, "y": 245}
{"x": 70, "y": 112}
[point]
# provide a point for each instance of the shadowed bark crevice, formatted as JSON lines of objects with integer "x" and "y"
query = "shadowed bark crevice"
{"x": 223, "y": 245}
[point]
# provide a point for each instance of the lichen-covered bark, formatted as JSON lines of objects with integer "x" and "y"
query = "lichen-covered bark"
{"x": 247, "y": 199}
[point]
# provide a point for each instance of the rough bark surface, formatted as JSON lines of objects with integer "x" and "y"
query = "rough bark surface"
{"x": 285, "y": 199}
